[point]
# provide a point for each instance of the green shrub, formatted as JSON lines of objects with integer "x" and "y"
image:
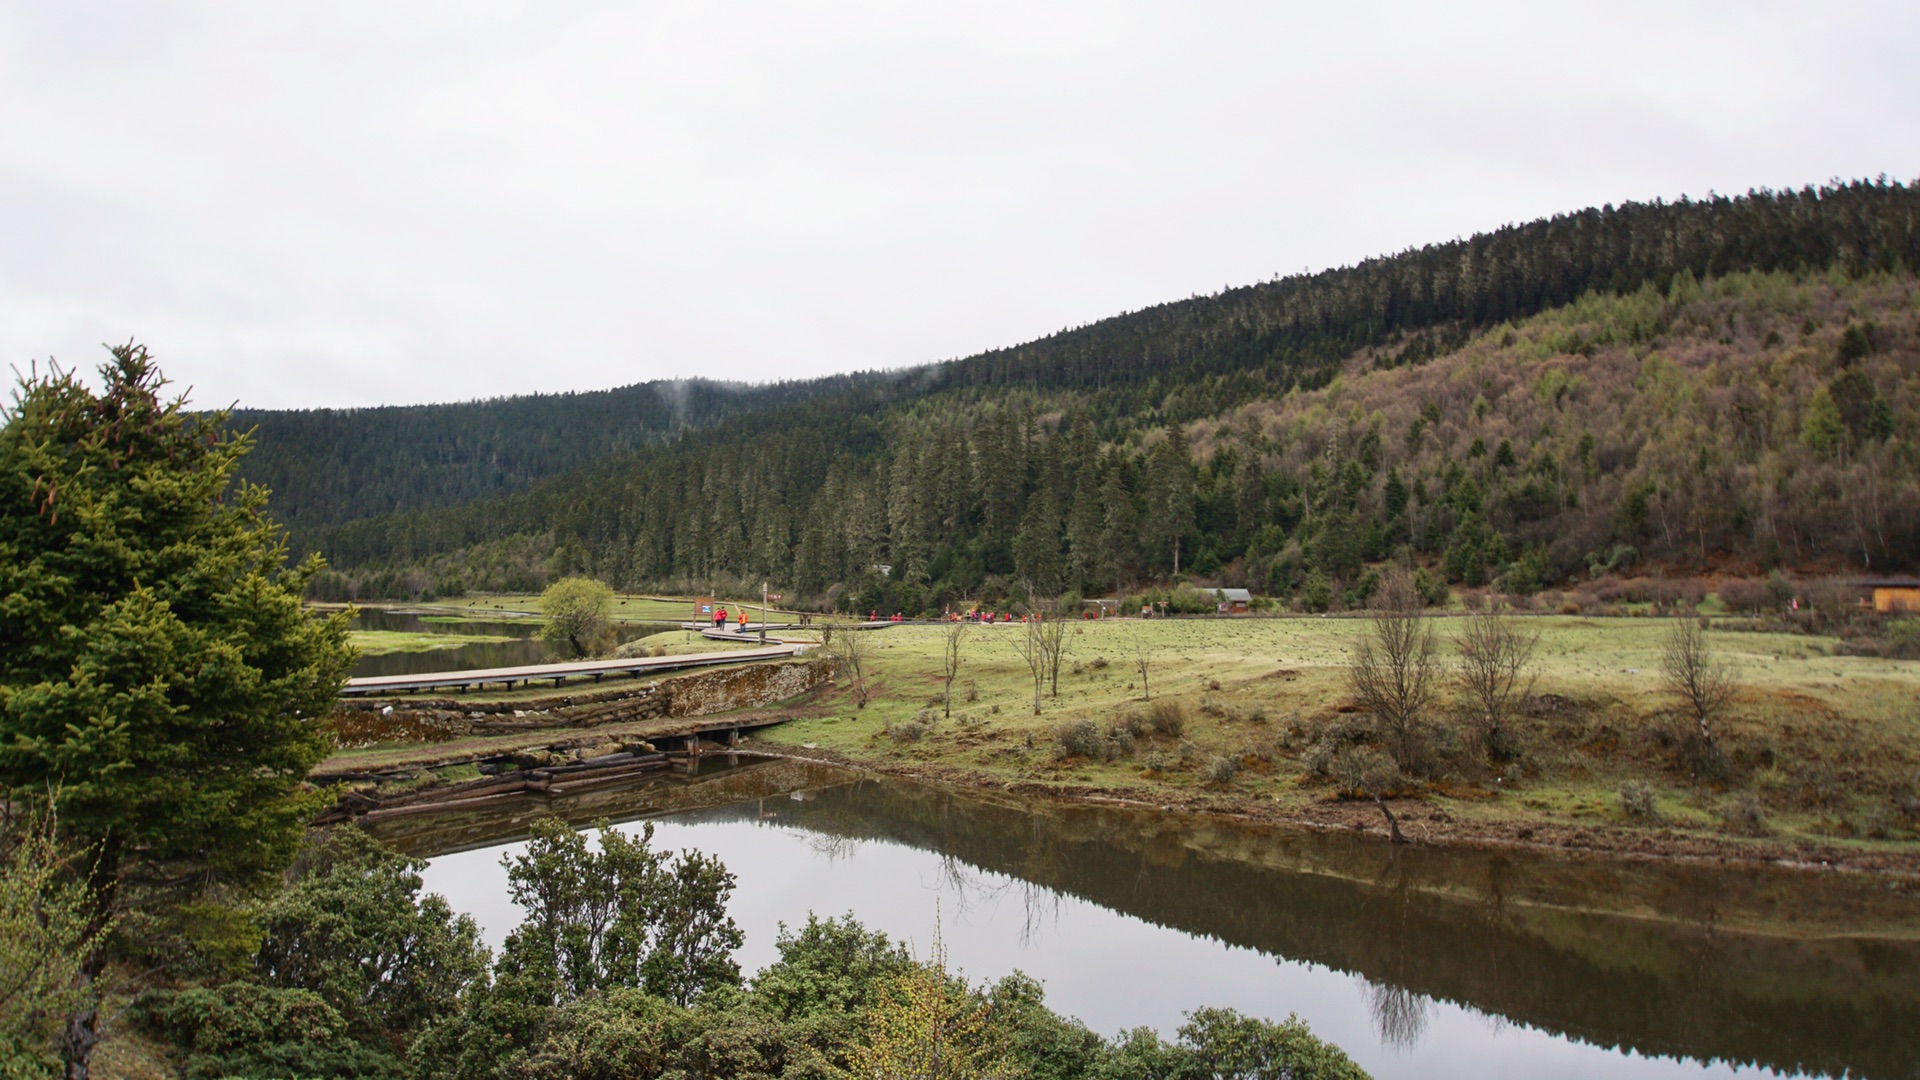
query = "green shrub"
{"x": 1221, "y": 769}
{"x": 248, "y": 1030}
{"x": 1081, "y": 738}
{"x": 354, "y": 929}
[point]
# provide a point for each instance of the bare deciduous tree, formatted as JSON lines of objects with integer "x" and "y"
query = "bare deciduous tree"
{"x": 1392, "y": 672}
{"x": 1053, "y": 638}
{"x": 1702, "y": 680}
{"x": 1140, "y": 663}
{"x": 951, "y": 641}
{"x": 1032, "y": 647}
{"x": 1496, "y": 674}
{"x": 849, "y": 652}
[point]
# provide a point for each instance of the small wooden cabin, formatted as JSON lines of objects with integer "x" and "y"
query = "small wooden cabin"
{"x": 1231, "y": 601}
{"x": 1893, "y": 594}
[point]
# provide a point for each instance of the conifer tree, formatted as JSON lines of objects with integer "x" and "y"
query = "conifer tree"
{"x": 156, "y": 667}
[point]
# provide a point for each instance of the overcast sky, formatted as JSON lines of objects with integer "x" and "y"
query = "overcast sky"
{"x": 350, "y": 203}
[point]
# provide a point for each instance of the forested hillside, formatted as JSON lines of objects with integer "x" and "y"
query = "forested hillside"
{"x": 1701, "y": 383}
{"x": 327, "y": 466}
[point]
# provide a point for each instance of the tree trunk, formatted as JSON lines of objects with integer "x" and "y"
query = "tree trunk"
{"x": 1394, "y": 834}
{"x": 82, "y": 1032}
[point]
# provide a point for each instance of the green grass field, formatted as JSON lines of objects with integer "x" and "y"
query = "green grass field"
{"x": 381, "y": 642}
{"x": 1827, "y": 745}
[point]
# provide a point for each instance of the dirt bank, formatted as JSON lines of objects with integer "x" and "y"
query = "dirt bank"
{"x": 1424, "y": 821}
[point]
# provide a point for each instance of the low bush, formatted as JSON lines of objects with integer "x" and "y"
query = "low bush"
{"x": 1744, "y": 817}
{"x": 1168, "y": 717}
{"x": 244, "y": 1029}
{"x": 1365, "y": 771}
{"x": 1743, "y": 596}
{"x": 1637, "y": 801}
{"x": 1081, "y": 738}
{"x": 1220, "y": 769}
{"x": 909, "y": 732}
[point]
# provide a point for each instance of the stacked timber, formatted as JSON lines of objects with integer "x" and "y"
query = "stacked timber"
{"x": 502, "y": 779}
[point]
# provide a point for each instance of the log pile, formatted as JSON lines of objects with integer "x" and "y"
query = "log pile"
{"x": 507, "y": 777}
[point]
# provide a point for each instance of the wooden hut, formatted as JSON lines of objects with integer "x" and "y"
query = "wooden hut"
{"x": 1893, "y": 594}
{"x": 1231, "y": 601}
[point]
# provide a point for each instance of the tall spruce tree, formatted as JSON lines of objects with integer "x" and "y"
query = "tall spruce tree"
{"x": 157, "y": 670}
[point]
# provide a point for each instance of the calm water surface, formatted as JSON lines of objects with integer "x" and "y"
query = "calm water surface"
{"x": 1420, "y": 962}
{"x": 525, "y": 648}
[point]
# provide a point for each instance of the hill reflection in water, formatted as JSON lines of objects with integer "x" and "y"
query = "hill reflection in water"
{"x": 1422, "y": 962}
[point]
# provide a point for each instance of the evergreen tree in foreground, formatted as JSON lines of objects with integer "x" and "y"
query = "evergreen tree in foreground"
{"x": 156, "y": 669}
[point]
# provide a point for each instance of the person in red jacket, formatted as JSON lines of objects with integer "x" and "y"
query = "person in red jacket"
{"x": 719, "y": 618}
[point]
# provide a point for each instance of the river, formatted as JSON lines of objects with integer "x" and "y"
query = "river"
{"x": 1420, "y": 962}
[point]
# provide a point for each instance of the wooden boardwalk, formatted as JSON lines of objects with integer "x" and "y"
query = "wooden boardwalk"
{"x": 507, "y": 677}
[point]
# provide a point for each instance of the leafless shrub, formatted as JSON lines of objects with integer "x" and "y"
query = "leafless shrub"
{"x": 1699, "y": 678}
{"x": 1031, "y": 644}
{"x": 1835, "y": 603}
{"x": 1392, "y": 671}
{"x": 1496, "y": 674}
{"x": 1054, "y": 643}
{"x": 1743, "y": 596}
{"x": 950, "y": 641}
{"x": 850, "y": 652}
{"x": 1744, "y": 817}
{"x": 909, "y": 732}
{"x": 1168, "y": 718}
{"x": 1221, "y": 769}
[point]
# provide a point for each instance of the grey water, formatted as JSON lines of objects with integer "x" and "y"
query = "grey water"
{"x": 526, "y": 646}
{"x": 1419, "y": 963}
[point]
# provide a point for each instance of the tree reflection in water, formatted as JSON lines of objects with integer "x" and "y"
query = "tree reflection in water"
{"x": 1399, "y": 1014}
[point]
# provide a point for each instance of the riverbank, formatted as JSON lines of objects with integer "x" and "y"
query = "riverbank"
{"x": 1821, "y": 751}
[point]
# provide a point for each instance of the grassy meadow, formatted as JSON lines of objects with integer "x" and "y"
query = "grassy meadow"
{"x": 381, "y": 642}
{"x": 1816, "y": 746}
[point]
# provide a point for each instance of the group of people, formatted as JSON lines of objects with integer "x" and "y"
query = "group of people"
{"x": 720, "y": 618}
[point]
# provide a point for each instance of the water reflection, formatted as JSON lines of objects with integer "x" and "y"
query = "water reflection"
{"x": 1423, "y": 962}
